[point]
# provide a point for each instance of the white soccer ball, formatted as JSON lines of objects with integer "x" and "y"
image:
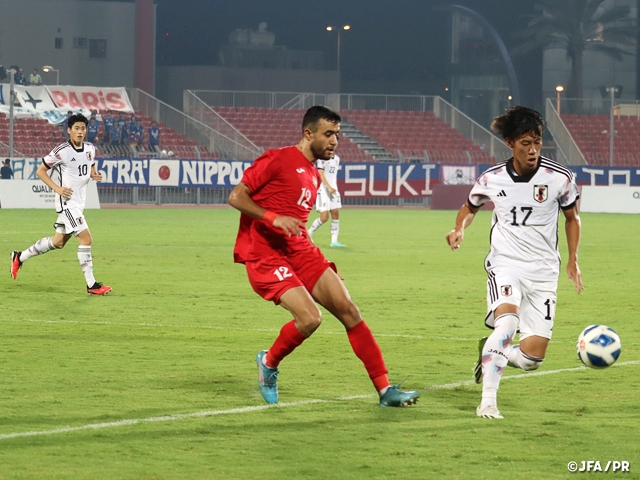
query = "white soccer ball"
{"x": 598, "y": 346}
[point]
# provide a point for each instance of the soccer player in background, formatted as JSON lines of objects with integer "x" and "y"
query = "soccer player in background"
{"x": 275, "y": 196}
{"x": 523, "y": 263}
{"x": 74, "y": 166}
{"x": 328, "y": 199}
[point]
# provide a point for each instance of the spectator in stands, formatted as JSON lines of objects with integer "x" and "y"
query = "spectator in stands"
{"x": 121, "y": 120}
{"x": 116, "y": 137}
{"x": 133, "y": 136}
{"x": 140, "y": 128}
{"x": 20, "y": 79}
{"x": 6, "y": 173}
{"x": 92, "y": 130}
{"x": 125, "y": 132}
{"x": 154, "y": 137}
{"x": 108, "y": 121}
{"x": 34, "y": 78}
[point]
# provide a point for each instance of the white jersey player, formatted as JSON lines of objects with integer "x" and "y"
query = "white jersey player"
{"x": 328, "y": 198}
{"x": 72, "y": 166}
{"x": 523, "y": 264}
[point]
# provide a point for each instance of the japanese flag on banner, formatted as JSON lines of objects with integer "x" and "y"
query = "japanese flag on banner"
{"x": 164, "y": 173}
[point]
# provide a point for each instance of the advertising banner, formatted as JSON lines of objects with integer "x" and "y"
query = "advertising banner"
{"x": 35, "y": 194}
{"x": 53, "y": 103}
{"x": 611, "y": 199}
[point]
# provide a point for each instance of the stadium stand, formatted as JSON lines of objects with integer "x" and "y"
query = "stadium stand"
{"x": 591, "y": 134}
{"x": 282, "y": 128}
{"x": 417, "y": 135}
{"x": 376, "y": 134}
{"x": 36, "y": 137}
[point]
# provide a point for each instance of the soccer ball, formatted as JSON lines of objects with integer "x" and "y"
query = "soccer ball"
{"x": 598, "y": 346}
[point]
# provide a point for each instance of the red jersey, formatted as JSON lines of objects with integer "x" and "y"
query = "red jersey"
{"x": 284, "y": 182}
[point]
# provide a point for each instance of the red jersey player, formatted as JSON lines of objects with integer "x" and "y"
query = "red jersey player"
{"x": 275, "y": 197}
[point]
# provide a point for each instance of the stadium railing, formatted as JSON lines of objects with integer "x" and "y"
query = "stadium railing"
{"x": 191, "y": 128}
{"x": 568, "y": 151}
{"x": 4, "y": 151}
{"x": 198, "y": 109}
{"x": 471, "y": 129}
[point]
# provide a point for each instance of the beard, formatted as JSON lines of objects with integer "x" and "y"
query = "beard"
{"x": 319, "y": 153}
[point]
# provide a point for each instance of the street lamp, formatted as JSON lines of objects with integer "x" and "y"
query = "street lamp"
{"x": 49, "y": 68}
{"x": 331, "y": 28}
{"x": 559, "y": 89}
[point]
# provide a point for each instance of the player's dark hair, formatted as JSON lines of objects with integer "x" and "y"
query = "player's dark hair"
{"x": 78, "y": 117}
{"x": 317, "y": 113}
{"x": 518, "y": 121}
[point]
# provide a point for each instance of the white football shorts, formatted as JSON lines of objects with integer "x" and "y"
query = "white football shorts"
{"x": 71, "y": 221}
{"x": 535, "y": 297}
{"x": 326, "y": 202}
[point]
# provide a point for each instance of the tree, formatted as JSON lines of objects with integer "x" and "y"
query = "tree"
{"x": 576, "y": 26}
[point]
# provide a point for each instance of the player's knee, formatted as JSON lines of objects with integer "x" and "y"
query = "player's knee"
{"x": 309, "y": 321}
{"x": 58, "y": 243}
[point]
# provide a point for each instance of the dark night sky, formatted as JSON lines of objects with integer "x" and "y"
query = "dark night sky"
{"x": 390, "y": 40}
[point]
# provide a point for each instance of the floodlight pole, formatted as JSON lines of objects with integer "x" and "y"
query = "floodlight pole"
{"x": 12, "y": 99}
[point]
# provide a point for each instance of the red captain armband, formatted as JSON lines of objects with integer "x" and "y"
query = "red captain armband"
{"x": 269, "y": 217}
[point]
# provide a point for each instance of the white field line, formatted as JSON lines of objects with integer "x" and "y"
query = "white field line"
{"x": 220, "y": 327}
{"x": 257, "y": 408}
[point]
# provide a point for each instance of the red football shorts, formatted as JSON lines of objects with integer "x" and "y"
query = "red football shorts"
{"x": 271, "y": 276}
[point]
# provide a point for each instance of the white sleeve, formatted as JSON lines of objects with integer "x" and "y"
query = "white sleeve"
{"x": 569, "y": 193}
{"x": 320, "y": 164}
{"x": 479, "y": 194}
{"x": 52, "y": 159}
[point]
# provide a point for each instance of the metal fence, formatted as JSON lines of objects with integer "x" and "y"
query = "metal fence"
{"x": 567, "y": 149}
{"x": 191, "y": 128}
{"x": 147, "y": 196}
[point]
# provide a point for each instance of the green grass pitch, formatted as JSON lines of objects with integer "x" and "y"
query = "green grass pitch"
{"x": 102, "y": 382}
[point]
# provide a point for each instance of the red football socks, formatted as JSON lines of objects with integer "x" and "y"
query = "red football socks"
{"x": 286, "y": 343}
{"x": 367, "y": 350}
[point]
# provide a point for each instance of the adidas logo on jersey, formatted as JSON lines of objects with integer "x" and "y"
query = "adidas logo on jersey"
{"x": 502, "y": 193}
{"x": 73, "y": 159}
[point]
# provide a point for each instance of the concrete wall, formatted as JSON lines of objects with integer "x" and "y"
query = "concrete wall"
{"x": 28, "y": 29}
{"x": 172, "y": 81}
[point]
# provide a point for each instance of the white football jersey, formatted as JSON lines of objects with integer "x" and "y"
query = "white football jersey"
{"x": 330, "y": 169}
{"x": 524, "y": 232}
{"x": 71, "y": 169}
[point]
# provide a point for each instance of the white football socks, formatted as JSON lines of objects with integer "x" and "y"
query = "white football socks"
{"x": 86, "y": 262}
{"x": 519, "y": 359}
{"x": 317, "y": 223}
{"x": 43, "y": 245}
{"x": 494, "y": 357}
{"x": 335, "y": 230}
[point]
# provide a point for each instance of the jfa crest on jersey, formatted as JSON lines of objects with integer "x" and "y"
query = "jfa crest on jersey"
{"x": 525, "y": 219}
{"x": 540, "y": 193}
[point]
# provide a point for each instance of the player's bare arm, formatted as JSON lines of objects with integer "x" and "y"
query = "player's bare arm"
{"x": 95, "y": 174}
{"x": 240, "y": 199}
{"x": 326, "y": 184}
{"x": 573, "y": 228}
{"x": 43, "y": 175}
{"x": 466, "y": 214}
